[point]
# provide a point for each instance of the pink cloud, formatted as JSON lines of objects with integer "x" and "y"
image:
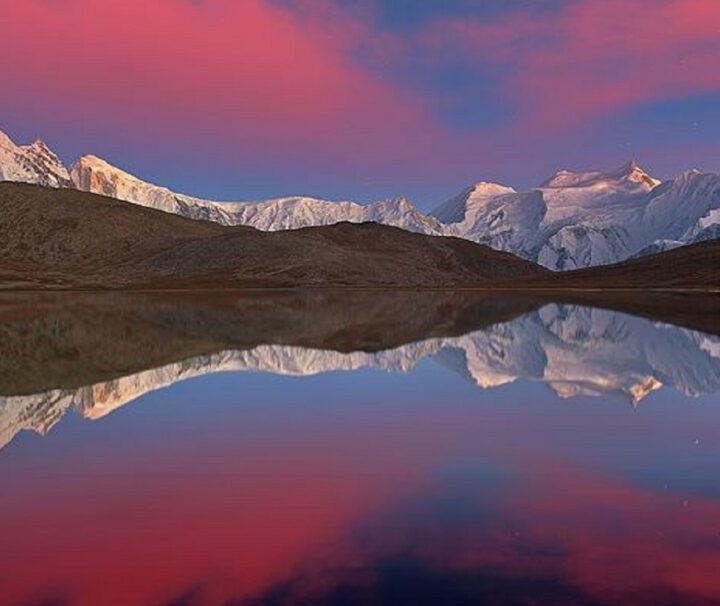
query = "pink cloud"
{"x": 241, "y": 73}
{"x": 261, "y": 86}
{"x": 593, "y": 57}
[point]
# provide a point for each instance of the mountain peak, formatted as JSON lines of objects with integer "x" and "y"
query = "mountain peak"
{"x": 95, "y": 161}
{"x": 90, "y": 167}
{"x": 632, "y": 165}
{"x": 488, "y": 188}
{"x": 400, "y": 202}
{"x": 35, "y": 163}
{"x": 93, "y": 174}
{"x": 631, "y": 171}
{"x": 568, "y": 178}
{"x": 480, "y": 193}
{"x": 40, "y": 144}
{"x": 5, "y": 140}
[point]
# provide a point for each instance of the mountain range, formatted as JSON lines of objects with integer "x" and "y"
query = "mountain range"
{"x": 574, "y": 350}
{"x": 66, "y": 239}
{"x": 572, "y": 220}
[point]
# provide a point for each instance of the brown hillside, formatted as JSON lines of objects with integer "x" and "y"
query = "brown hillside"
{"x": 695, "y": 267}
{"x": 70, "y": 239}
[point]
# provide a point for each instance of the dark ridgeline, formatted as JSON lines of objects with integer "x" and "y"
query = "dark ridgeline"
{"x": 66, "y": 239}
{"x": 694, "y": 267}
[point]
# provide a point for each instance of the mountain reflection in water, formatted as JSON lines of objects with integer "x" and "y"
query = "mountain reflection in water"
{"x": 574, "y": 350}
{"x": 358, "y": 487}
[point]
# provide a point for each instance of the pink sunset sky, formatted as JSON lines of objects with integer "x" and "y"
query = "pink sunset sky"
{"x": 242, "y": 99}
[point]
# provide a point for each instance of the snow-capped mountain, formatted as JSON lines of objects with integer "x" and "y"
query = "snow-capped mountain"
{"x": 456, "y": 209}
{"x": 34, "y": 163}
{"x": 97, "y": 176}
{"x": 581, "y": 219}
{"x": 296, "y": 212}
{"x": 573, "y": 350}
{"x": 92, "y": 174}
{"x": 572, "y": 220}
{"x": 686, "y": 209}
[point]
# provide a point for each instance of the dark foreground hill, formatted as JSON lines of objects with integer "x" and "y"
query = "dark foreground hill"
{"x": 696, "y": 267}
{"x": 65, "y": 239}
{"x": 68, "y": 239}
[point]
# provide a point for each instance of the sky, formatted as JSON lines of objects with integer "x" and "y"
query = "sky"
{"x": 364, "y": 99}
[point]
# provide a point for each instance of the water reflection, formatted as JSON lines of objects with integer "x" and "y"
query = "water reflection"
{"x": 572, "y": 349}
{"x": 458, "y": 476}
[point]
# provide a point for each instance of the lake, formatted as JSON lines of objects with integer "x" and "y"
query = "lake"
{"x": 356, "y": 448}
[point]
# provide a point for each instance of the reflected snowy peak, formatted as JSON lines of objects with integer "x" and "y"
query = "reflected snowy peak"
{"x": 571, "y": 349}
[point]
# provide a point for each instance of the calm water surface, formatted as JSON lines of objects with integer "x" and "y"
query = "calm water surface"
{"x": 562, "y": 455}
